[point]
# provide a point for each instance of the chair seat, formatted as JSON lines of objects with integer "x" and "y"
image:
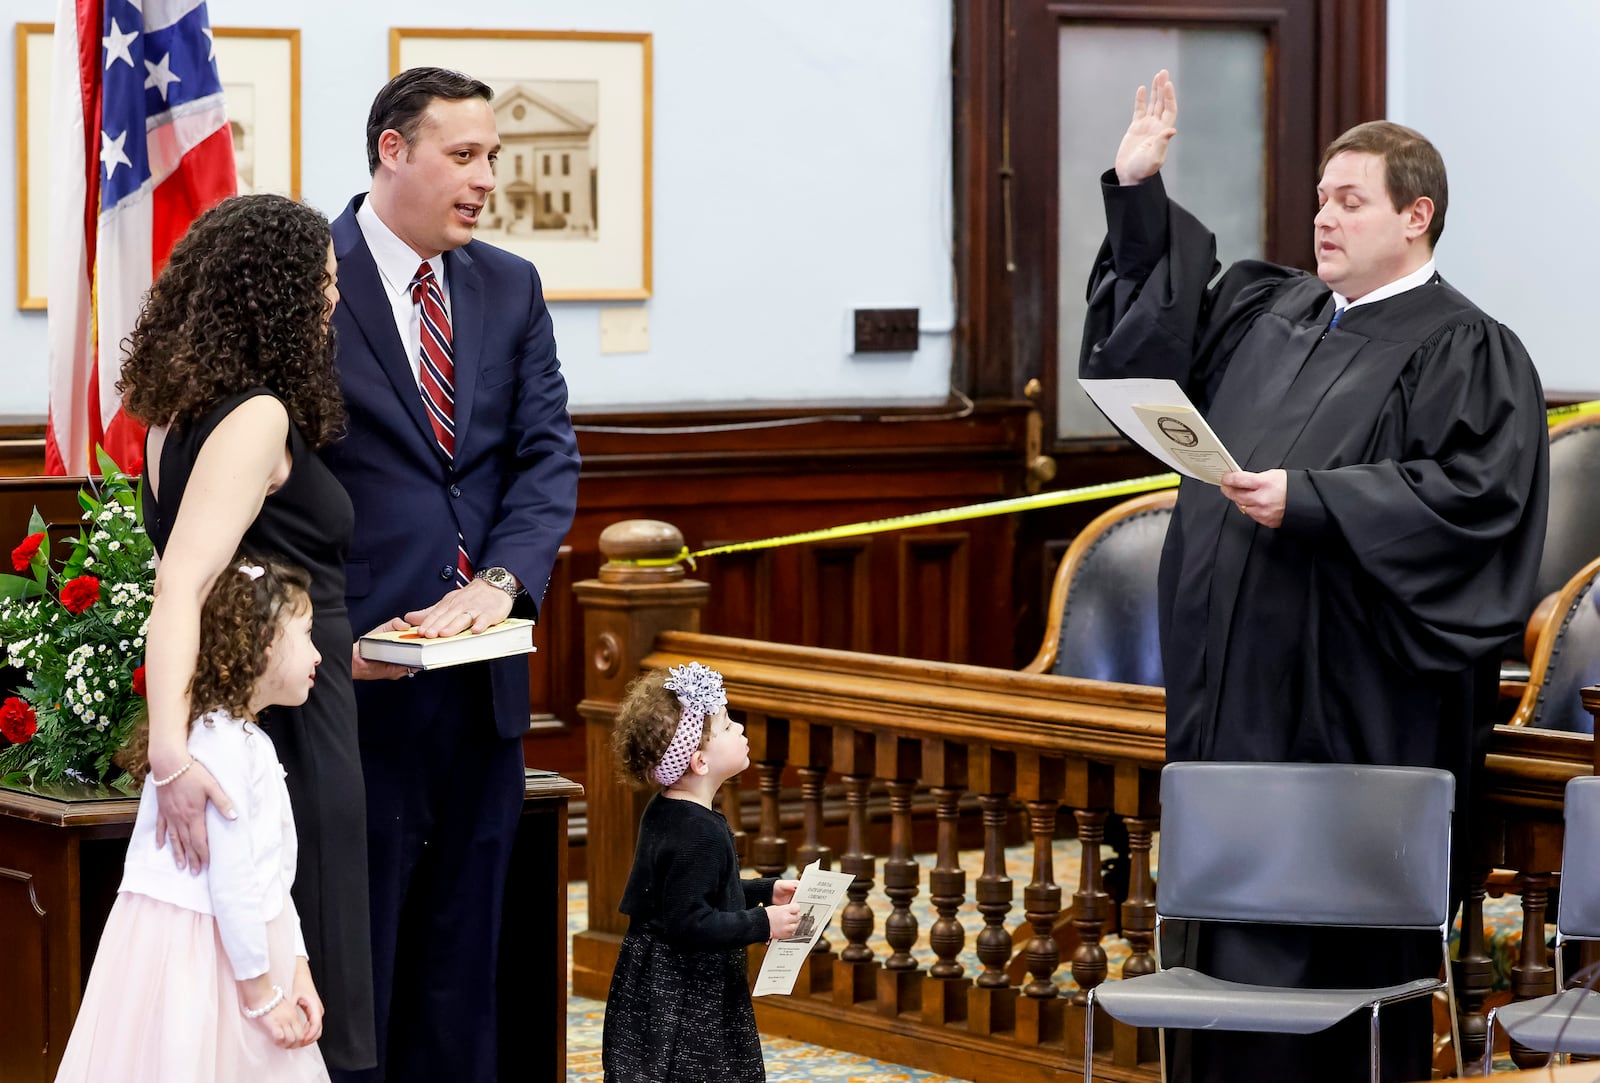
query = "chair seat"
{"x": 1189, "y": 1000}
{"x": 1565, "y": 1022}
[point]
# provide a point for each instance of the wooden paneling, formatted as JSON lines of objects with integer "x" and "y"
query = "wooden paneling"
{"x": 836, "y": 595}
{"x": 933, "y": 596}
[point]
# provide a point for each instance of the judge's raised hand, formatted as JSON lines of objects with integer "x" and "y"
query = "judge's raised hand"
{"x": 1144, "y": 147}
{"x": 1261, "y": 496}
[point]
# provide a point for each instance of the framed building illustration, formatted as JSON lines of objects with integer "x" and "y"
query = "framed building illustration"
{"x": 573, "y": 180}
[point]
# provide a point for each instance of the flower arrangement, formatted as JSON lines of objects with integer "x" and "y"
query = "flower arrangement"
{"x": 75, "y": 628}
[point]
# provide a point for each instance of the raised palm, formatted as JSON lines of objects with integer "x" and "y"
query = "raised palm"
{"x": 1144, "y": 146}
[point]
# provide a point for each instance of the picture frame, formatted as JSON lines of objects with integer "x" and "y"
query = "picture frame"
{"x": 260, "y": 70}
{"x": 565, "y": 102}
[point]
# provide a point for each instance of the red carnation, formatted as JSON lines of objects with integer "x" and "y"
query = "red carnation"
{"x": 80, "y": 593}
{"x": 18, "y": 723}
{"x": 138, "y": 681}
{"x": 22, "y": 555}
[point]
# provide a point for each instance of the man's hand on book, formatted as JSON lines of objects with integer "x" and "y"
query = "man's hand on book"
{"x": 476, "y": 606}
{"x": 363, "y": 670}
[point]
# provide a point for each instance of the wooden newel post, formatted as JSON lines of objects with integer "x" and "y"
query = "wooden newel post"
{"x": 624, "y": 609}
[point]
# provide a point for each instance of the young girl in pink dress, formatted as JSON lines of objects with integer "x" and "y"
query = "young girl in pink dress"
{"x": 204, "y": 978}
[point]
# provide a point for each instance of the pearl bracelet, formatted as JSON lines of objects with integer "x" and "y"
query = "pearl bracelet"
{"x": 257, "y": 1013}
{"x": 160, "y": 782}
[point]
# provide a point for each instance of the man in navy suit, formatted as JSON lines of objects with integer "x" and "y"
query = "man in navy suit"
{"x": 463, "y": 467}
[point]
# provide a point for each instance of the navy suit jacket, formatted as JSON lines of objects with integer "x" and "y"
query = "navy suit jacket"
{"x": 513, "y": 485}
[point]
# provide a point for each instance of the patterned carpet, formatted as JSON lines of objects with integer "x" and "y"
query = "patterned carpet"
{"x": 797, "y": 1062}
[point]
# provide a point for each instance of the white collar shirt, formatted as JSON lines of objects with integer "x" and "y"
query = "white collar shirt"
{"x": 397, "y": 266}
{"x": 1416, "y": 278}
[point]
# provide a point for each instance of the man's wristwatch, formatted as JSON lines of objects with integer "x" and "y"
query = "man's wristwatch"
{"x": 499, "y": 577}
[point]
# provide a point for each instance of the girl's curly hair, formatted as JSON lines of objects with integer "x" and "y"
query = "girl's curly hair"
{"x": 646, "y": 720}
{"x": 239, "y": 622}
{"x": 240, "y": 305}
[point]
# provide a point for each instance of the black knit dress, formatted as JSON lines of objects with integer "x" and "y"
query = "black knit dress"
{"x": 679, "y": 1007}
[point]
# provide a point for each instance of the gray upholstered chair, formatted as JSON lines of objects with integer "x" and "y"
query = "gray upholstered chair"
{"x": 1291, "y": 844}
{"x": 1565, "y": 657}
{"x": 1572, "y": 537}
{"x": 1567, "y": 1021}
{"x": 1102, "y": 617}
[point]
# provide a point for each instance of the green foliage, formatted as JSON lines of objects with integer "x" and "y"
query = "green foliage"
{"x": 79, "y": 667}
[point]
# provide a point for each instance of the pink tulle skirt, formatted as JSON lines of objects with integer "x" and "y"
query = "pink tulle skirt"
{"x": 161, "y": 1005}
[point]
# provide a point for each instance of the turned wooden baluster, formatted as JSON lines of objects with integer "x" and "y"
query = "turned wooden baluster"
{"x": 769, "y": 747}
{"x": 728, "y": 796}
{"x": 1091, "y": 906}
{"x": 947, "y": 888}
{"x": 855, "y": 919}
{"x": 1532, "y": 976}
{"x": 994, "y": 893}
{"x": 1139, "y": 912}
{"x": 812, "y": 747}
{"x": 901, "y": 875}
{"x": 1474, "y": 970}
{"x": 1042, "y": 901}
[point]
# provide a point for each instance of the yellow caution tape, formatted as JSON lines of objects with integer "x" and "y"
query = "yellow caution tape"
{"x": 1572, "y": 410}
{"x": 1104, "y": 491}
{"x": 930, "y": 518}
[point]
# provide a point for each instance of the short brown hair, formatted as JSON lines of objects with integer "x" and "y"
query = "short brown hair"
{"x": 646, "y": 721}
{"x": 239, "y": 620}
{"x": 1412, "y": 166}
{"x": 404, "y": 100}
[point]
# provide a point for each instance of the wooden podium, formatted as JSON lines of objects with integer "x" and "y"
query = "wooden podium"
{"x": 61, "y": 862}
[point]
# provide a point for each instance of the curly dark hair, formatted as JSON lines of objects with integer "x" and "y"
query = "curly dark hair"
{"x": 240, "y": 620}
{"x": 646, "y": 720}
{"x": 240, "y": 305}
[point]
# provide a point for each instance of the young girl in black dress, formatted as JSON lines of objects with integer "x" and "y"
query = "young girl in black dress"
{"x": 679, "y": 1007}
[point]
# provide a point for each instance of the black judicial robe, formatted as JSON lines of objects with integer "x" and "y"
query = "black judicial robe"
{"x": 1367, "y": 627}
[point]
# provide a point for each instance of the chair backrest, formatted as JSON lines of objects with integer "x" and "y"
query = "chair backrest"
{"x": 1566, "y": 658}
{"x": 1572, "y": 538}
{"x": 1306, "y": 844}
{"x": 1579, "y": 911}
{"x": 1103, "y": 611}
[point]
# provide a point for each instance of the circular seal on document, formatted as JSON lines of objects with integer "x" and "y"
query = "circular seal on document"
{"x": 1177, "y": 431}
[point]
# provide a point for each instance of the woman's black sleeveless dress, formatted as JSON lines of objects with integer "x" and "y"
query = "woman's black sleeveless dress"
{"x": 308, "y": 522}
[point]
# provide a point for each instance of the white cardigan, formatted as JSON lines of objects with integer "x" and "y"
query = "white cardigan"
{"x": 252, "y": 863}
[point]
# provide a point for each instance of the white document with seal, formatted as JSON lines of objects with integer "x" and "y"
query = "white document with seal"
{"x": 819, "y": 895}
{"x": 1158, "y": 416}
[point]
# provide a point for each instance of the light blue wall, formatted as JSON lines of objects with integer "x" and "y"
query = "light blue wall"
{"x": 802, "y": 169}
{"x": 1508, "y": 103}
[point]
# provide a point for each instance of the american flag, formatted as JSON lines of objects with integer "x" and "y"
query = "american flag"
{"x": 140, "y": 146}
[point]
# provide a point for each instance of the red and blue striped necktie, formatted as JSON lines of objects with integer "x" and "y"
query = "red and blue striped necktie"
{"x": 436, "y": 373}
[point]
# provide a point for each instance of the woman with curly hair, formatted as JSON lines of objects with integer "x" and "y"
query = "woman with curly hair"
{"x": 205, "y": 978}
{"x": 231, "y": 367}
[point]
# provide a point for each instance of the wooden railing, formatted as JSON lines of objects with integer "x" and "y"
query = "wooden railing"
{"x": 1067, "y": 754}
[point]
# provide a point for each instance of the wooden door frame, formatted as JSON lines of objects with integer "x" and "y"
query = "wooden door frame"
{"x": 1007, "y": 206}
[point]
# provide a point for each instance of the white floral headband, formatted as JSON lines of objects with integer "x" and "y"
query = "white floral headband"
{"x": 700, "y": 695}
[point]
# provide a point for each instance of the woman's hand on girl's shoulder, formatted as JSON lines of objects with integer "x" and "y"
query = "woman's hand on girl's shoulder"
{"x": 181, "y": 814}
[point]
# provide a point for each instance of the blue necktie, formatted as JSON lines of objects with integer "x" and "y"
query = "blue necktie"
{"x": 1338, "y": 314}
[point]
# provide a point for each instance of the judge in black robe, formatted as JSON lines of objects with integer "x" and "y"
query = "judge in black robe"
{"x": 1365, "y": 627}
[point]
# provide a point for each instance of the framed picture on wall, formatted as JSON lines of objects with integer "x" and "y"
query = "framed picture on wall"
{"x": 260, "y": 70}
{"x": 572, "y": 184}
{"x": 35, "y": 42}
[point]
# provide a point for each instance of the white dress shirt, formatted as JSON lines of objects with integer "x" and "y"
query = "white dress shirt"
{"x": 397, "y": 266}
{"x": 1416, "y": 278}
{"x": 252, "y": 863}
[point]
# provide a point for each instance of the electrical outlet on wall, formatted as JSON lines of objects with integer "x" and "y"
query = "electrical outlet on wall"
{"x": 624, "y": 329}
{"x": 886, "y": 330}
